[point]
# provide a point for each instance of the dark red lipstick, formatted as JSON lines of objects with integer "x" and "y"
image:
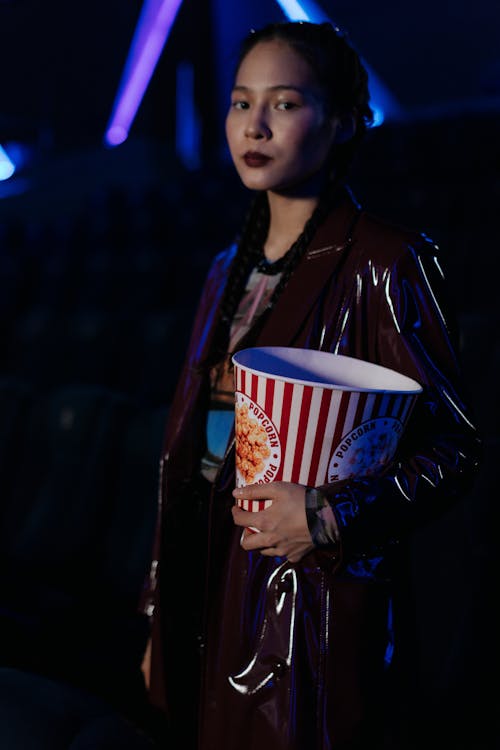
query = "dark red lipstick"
{"x": 256, "y": 159}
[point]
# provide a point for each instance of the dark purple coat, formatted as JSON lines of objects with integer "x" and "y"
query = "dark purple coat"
{"x": 293, "y": 656}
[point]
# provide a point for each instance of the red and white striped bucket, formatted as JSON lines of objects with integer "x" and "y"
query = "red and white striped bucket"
{"x": 314, "y": 417}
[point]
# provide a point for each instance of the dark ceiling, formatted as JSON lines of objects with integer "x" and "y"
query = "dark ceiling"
{"x": 61, "y": 61}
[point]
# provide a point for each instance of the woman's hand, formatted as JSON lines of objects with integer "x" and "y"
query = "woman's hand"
{"x": 283, "y": 529}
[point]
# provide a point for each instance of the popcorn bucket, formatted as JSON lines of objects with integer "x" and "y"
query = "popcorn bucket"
{"x": 313, "y": 417}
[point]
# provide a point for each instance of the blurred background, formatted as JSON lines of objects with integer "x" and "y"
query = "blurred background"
{"x": 116, "y": 174}
{"x": 116, "y": 191}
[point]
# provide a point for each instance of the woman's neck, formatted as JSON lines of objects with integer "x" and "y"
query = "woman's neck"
{"x": 287, "y": 217}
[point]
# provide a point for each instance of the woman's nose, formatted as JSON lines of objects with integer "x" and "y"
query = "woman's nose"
{"x": 256, "y": 126}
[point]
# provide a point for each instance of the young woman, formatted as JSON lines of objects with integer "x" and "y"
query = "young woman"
{"x": 280, "y": 639}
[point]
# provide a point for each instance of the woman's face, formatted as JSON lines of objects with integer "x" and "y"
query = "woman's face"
{"x": 277, "y": 129}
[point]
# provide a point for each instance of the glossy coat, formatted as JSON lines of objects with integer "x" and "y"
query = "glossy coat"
{"x": 294, "y": 656}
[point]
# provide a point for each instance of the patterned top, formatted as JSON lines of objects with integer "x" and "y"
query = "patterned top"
{"x": 220, "y": 419}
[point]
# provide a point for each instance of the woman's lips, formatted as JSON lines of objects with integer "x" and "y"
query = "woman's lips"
{"x": 254, "y": 159}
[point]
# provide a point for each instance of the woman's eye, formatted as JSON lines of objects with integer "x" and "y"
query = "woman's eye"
{"x": 239, "y": 105}
{"x": 286, "y": 105}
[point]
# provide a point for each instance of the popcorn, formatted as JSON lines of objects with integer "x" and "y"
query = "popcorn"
{"x": 252, "y": 448}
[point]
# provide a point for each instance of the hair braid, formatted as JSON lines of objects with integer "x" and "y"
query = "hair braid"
{"x": 303, "y": 241}
{"x": 252, "y": 238}
{"x": 250, "y": 243}
{"x": 249, "y": 251}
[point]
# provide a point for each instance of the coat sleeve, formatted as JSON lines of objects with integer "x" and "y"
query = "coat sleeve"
{"x": 440, "y": 451}
{"x": 201, "y": 326}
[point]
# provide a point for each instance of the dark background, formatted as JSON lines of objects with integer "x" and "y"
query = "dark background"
{"x": 103, "y": 250}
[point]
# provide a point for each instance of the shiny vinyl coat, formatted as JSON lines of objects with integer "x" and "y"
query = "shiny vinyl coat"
{"x": 252, "y": 652}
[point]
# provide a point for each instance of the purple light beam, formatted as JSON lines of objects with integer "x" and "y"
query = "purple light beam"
{"x": 153, "y": 27}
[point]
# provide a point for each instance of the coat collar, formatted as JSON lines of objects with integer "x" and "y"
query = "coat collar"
{"x": 328, "y": 247}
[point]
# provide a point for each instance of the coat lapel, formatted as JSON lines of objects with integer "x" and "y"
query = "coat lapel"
{"x": 328, "y": 247}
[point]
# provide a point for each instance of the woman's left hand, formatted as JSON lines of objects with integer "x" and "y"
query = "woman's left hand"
{"x": 283, "y": 529}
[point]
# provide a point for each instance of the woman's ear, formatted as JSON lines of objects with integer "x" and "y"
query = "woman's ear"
{"x": 345, "y": 127}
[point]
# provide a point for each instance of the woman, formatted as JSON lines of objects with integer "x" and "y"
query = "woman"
{"x": 280, "y": 639}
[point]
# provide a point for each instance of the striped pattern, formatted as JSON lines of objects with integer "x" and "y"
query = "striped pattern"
{"x": 312, "y": 421}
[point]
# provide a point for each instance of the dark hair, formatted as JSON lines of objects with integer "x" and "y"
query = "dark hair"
{"x": 344, "y": 80}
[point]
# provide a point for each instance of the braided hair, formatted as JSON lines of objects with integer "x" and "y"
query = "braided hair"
{"x": 344, "y": 82}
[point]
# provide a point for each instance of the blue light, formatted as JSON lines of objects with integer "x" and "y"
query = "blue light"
{"x": 187, "y": 132}
{"x": 7, "y": 167}
{"x": 378, "y": 116}
{"x": 305, "y": 10}
{"x": 382, "y": 101}
{"x": 156, "y": 20}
